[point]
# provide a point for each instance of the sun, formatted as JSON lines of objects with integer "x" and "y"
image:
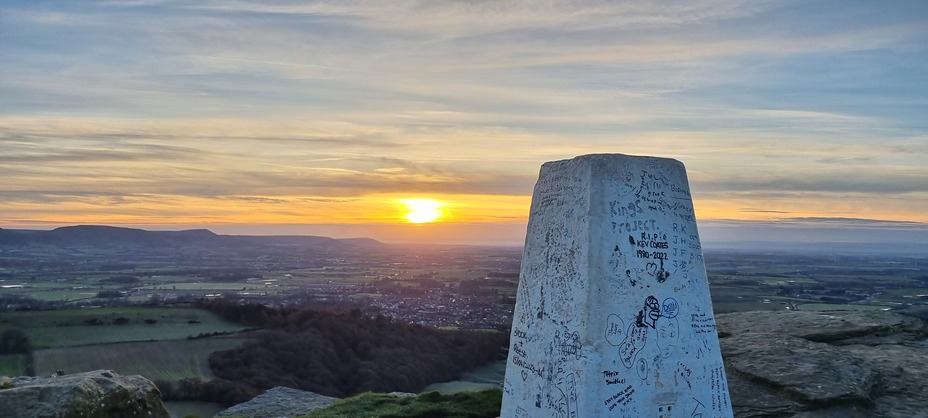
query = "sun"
{"x": 422, "y": 210}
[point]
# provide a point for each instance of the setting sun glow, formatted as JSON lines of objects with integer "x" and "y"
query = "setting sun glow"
{"x": 422, "y": 210}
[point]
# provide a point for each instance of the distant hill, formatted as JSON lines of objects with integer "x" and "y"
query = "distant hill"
{"x": 362, "y": 242}
{"x": 111, "y": 236}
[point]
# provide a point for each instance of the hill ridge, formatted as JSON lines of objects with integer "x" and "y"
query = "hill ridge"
{"x": 107, "y": 235}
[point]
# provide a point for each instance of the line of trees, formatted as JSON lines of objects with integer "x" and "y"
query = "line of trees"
{"x": 15, "y": 341}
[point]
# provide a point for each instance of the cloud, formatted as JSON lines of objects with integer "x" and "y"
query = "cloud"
{"x": 481, "y": 16}
{"x": 767, "y": 102}
{"x": 340, "y": 159}
{"x": 126, "y": 153}
{"x": 836, "y": 183}
{"x": 818, "y": 224}
{"x": 855, "y": 222}
{"x": 226, "y": 158}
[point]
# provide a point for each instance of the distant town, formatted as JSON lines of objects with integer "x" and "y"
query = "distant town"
{"x": 443, "y": 286}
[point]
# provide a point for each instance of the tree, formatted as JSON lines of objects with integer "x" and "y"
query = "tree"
{"x": 14, "y": 341}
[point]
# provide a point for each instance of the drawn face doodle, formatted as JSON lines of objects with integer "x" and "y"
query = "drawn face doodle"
{"x": 642, "y": 368}
{"x": 648, "y": 315}
{"x": 653, "y": 308}
{"x": 669, "y": 308}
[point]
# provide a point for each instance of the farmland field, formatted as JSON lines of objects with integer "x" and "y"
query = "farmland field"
{"x": 76, "y": 327}
{"x": 489, "y": 376}
{"x": 13, "y": 364}
{"x": 841, "y": 307}
{"x": 157, "y": 360}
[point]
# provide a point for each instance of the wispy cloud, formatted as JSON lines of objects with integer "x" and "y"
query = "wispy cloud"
{"x": 857, "y": 222}
{"x": 771, "y": 104}
{"x": 842, "y": 182}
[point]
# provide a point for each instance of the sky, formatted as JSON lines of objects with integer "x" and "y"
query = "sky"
{"x": 796, "y": 120}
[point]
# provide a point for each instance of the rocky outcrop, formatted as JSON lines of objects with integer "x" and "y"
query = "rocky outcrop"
{"x": 279, "y": 402}
{"x": 825, "y": 364}
{"x": 96, "y": 394}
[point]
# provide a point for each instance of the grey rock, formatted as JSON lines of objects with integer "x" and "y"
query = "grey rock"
{"x": 279, "y": 402}
{"x": 903, "y": 391}
{"x": 805, "y": 371}
{"x": 842, "y": 364}
{"x": 835, "y": 327}
{"x": 751, "y": 399}
{"x": 96, "y": 394}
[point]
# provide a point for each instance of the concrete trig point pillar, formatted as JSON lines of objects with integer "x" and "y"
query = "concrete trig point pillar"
{"x": 613, "y": 316}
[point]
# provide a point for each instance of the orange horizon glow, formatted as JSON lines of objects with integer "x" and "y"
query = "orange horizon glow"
{"x": 463, "y": 219}
{"x": 271, "y": 210}
{"x": 395, "y": 217}
{"x": 393, "y": 209}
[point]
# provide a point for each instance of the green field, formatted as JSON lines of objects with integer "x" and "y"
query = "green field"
{"x": 199, "y": 409}
{"x": 489, "y": 376}
{"x": 13, "y": 364}
{"x": 157, "y": 360}
{"x": 57, "y": 291}
{"x": 77, "y": 327}
{"x": 204, "y": 286}
{"x": 482, "y": 404}
{"x": 726, "y": 307}
{"x": 841, "y": 307}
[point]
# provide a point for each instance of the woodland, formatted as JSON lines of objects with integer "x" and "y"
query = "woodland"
{"x": 334, "y": 354}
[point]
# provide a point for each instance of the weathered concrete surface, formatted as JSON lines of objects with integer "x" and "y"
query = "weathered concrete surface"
{"x": 96, "y": 394}
{"x": 841, "y": 364}
{"x": 279, "y": 402}
{"x": 613, "y": 315}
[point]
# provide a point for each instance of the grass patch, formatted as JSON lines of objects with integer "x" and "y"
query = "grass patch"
{"x": 75, "y": 327}
{"x": 190, "y": 408}
{"x": 205, "y": 286}
{"x": 156, "y": 360}
{"x": 486, "y": 377}
{"x": 482, "y": 404}
{"x": 66, "y": 294}
{"x": 725, "y": 307}
{"x": 13, "y": 364}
